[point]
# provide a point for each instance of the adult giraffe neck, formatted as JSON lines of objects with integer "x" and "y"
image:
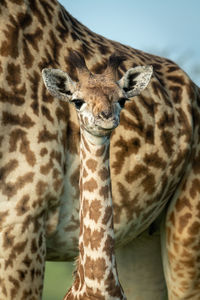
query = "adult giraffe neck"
{"x": 97, "y": 263}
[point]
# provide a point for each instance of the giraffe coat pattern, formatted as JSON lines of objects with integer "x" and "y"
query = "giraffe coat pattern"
{"x": 96, "y": 275}
{"x": 154, "y": 157}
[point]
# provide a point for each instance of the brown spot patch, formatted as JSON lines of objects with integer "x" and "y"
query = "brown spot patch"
{"x": 46, "y": 136}
{"x": 166, "y": 120}
{"x": 149, "y": 183}
{"x": 27, "y": 261}
{"x": 195, "y": 188}
{"x": 95, "y": 268}
{"x": 96, "y": 239}
{"x": 90, "y": 185}
{"x": 74, "y": 180}
{"x": 28, "y": 56}
{"x": 176, "y": 79}
{"x": 105, "y": 192}
{"x": 183, "y": 221}
{"x": 154, "y": 160}
{"x": 85, "y": 173}
{"x": 20, "y": 136}
{"x": 10, "y": 189}
{"x": 14, "y": 74}
{"x": 176, "y": 93}
{"x": 23, "y": 205}
{"x": 43, "y": 152}
{"x": 104, "y": 173}
{"x": 14, "y": 119}
{"x": 15, "y": 286}
{"x": 185, "y": 124}
{"x": 91, "y": 164}
{"x": 15, "y": 97}
{"x": 129, "y": 205}
{"x": 95, "y": 210}
{"x": 8, "y": 46}
{"x": 113, "y": 289}
{"x": 98, "y": 68}
{"x": 194, "y": 229}
{"x": 8, "y": 238}
{"x": 138, "y": 171}
{"x": 81, "y": 250}
{"x": 33, "y": 246}
{"x": 109, "y": 247}
{"x": 46, "y": 113}
{"x": 34, "y": 38}
{"x": 86, "y": 207}
{"x": 3, "y": 216}
{"x": 196, "y": 163}
{"x": 45, "y": 169}
{"x": 100, "y": 151}
{"x": 149, "y": 105}
{"x": 149, "y": 134}
{"x": 126, "y": 149}
{"x": 129, "y": 123}
{"x": 92, "y": 238}
{"x": 7, "y": 169}
{"x": 182, "y": 203}
{"x": 41, "y": 187}
{"x": 167, "y": 142}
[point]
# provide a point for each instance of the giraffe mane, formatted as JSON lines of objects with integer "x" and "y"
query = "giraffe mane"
{"x": 115, "y": 60}
{"x": 77, "y": 60}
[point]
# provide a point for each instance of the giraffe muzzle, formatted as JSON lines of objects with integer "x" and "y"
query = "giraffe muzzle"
{"x": 108, "y": 123}
{"x": 106, "y": 115}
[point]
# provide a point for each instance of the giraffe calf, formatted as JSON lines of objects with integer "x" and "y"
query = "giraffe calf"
{"x": 98, "y": 99}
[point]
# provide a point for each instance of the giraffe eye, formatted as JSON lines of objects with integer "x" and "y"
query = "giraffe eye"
{"x": 122, "y": 101}
{"x": 78, "y": 103}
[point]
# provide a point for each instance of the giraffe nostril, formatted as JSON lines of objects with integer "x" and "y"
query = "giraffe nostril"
{"x": 106, "y": 114}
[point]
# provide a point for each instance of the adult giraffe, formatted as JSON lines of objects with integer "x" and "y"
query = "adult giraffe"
{"x": 155, "y": 161}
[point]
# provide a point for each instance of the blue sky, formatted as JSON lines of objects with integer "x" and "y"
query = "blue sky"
{"x": 165, "y": 27}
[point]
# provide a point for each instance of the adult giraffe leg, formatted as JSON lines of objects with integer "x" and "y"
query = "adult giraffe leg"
{"x": 140, "y": 268}
{"x": 22, "y": 252}
{"x": 181, "y": 237}
{"x": 22, "y": 227}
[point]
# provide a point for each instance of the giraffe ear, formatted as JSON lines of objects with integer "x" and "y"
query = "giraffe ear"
{"x": 135, "y": 80}
{"x": 58, "y": 83}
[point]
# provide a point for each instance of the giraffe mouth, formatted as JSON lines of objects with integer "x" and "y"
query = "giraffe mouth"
{"x": 100, "y": 127}
{"x": 107, "y": 125}
{"x": 100, "y": 130}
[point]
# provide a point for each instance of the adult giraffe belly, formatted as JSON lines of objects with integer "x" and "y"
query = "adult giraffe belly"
{"x": 149, "y": 152}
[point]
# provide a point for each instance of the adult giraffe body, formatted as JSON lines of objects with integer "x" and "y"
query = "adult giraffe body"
{"x": 155, "y": 161}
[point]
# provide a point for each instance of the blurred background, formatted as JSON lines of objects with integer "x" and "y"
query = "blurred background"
{"x": 167, "y": 28}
